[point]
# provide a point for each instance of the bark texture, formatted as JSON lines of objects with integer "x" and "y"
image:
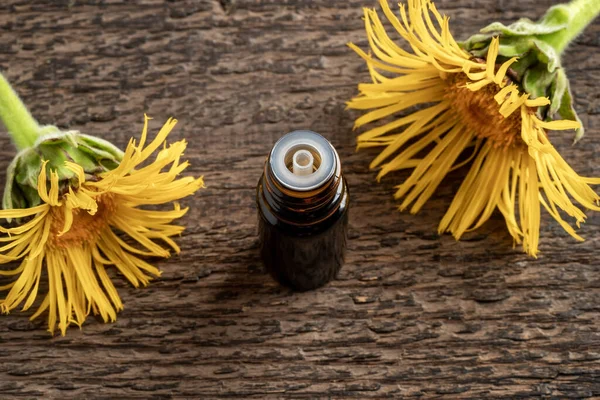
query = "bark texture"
{"x": 413, "y": 314}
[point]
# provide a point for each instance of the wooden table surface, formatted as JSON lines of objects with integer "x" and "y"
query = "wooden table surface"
{"x": 413, "y": 314}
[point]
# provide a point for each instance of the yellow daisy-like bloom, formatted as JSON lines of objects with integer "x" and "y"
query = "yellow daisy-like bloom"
{"x": 468, "y": 104}
{"x": 73, "y": 234}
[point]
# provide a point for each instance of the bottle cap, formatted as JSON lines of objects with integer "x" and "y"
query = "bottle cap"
{"x": 303, "y": 160}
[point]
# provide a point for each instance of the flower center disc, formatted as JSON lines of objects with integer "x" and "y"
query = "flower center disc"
{"x": 85, "y": 228}
{"x": 480, "y": 112}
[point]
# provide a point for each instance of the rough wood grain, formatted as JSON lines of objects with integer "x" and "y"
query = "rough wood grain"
{"x": 412, "y": 314}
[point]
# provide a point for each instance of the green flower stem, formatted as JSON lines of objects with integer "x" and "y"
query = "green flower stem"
{"x": 22, "y": 127}
{"x": 581, "y": 13}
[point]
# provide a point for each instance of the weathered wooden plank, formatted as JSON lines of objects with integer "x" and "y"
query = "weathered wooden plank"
{"x": 412, "y": 314}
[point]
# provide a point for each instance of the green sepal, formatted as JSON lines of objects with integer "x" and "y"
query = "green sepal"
{"x": 538, "y": 81}
{"x": 523, "y": 27}
{"x": 547, "y": 55}
{"x": 560, "y": 84}
{"x": 93, "y": 154}
{"x": 567, "y": 111}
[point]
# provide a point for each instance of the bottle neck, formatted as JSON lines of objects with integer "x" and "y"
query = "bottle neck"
{"x": 301, "y": 208}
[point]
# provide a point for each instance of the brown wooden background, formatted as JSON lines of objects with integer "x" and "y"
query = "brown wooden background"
{"x": 412, "y": 314}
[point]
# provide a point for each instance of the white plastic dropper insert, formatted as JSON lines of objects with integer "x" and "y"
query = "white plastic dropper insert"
{"x": 302, "y": 163}
{"x": 304, "y": 175}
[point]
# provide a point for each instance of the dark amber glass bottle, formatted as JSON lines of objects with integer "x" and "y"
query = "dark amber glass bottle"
{"x": 302, "y": 201}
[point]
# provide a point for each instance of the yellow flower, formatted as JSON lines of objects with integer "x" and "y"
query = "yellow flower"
{"x": 74, "y": 233}
{"x": 466, "y": 104}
